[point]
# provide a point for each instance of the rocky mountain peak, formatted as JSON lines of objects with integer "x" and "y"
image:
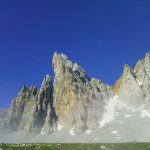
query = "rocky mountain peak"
{"x": 47, "y": 81}
{"x": 30, "y": 108}
{"x": 77, "y": 104}
{"x": 27, "y": 92}
{"x": 75, "y": 94}
{"x": 142, "y": 67}
{"x": 135, "y": 84}
{"x": 127, "y": 75}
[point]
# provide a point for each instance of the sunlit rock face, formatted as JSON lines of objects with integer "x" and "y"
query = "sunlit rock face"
{"x": 134, "y": 85}
{"x": 79, "y": 100}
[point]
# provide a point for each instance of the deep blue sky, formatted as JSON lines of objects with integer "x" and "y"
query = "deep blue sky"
{"x": 100, "y": 35}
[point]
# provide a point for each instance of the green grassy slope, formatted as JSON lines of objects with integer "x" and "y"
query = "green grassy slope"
{"x": 123, "y": 146}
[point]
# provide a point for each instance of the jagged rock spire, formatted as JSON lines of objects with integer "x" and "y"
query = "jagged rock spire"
{"x": 30, "y": 108}
{"x": 134, "y": 85}
{"x": 75, "y": 94}
{"x": 81, "y": 103}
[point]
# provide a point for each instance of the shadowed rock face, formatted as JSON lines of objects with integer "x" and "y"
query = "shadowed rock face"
{"x": 48, "y": 112}
{"x": 3, "y": 117}
{"x": 30, "y": 108}
{"x": 18, "y": 105}
{"x": 77, "y": 98}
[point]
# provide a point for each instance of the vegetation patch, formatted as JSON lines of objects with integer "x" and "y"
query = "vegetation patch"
{"x": 116, "y": 146}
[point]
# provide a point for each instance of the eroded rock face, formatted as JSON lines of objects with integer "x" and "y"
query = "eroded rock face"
{"x": 50, "y": 124}
{"x": 46, "y": 111}
{"x": 79, "y": 101}
{"x": 142, "y": 71}
{"x": 18, "y": 105}
{"x": 30, "y": 108}
{"x": 134, "y": 85}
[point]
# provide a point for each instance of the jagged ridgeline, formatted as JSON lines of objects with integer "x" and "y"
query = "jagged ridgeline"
{"x": 82, "y": 109}
{"x": 71, "y": 102}
{"x": 134, "y": 85}
{"x": 32, "y": 110}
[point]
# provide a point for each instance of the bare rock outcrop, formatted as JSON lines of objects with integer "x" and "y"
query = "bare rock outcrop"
{"x": 79, "y": 100}
{"x": 134, "y": 85}
{"x": 30, "y": 108}
{"x": 18, "y": 105}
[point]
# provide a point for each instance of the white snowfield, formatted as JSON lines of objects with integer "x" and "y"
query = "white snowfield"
{"x": 72, "y": 132}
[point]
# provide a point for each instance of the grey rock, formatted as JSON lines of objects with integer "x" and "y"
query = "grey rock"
{"x": 30, "y": 108}
{"x": 3, "y": 117}
{"x": 50, "y": 124}
{"x": 134, "y": 85}
{"x": 17, "y": 107}
{"x": 128, "y": 88}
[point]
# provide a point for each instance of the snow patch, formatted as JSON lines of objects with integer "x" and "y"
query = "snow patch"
{"x": 139, "y": 82}
{"x": 108, "y": 116}
{"x": 103, "y": 147}
{"x": 88, "y": 131}
{"x": 72, "y": 132}
{"x": 145, "y": 113}
{"x": 114, "y": 132}
{"x": 47, "y": 76}
{"x": 128, "y": 115}
{"x": 59, "y": 126}
{"x": 42, "y": 132}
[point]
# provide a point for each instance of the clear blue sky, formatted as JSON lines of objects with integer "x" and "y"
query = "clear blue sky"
{"x": 100, "y": 35}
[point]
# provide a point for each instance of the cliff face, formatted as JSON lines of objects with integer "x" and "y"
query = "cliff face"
{"x": 18, "y": 105}
{"x": 134, "y": 85}
{"x": 30, "y": 108}
{"x": 79, "y": 103}
{"x": 77, "y": 98}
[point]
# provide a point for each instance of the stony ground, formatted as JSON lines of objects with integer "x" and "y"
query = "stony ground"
{"x": 124, "y": 146}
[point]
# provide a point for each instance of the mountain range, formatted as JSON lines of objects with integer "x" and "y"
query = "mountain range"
{"x": 76, "y": 108}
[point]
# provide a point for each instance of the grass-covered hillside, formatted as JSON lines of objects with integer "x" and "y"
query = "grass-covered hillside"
{"x": 124, "y": 146}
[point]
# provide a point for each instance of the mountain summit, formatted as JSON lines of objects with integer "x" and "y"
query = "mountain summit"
{"x": 76, "y": 108}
